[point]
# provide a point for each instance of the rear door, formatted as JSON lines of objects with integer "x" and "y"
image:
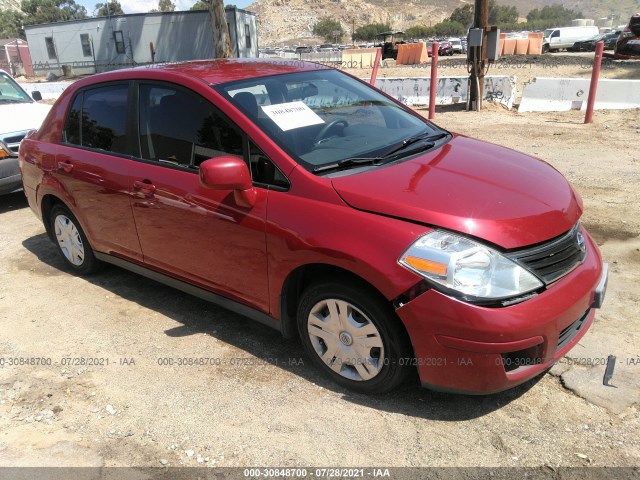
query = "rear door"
{"x": 93, "y": 164}
{"x": 187, "y": 230}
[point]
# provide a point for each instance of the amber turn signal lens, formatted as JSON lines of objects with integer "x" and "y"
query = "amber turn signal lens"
{"x": 427, "y": 265}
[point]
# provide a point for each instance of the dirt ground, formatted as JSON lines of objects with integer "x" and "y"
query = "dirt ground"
{"x": 267, "y": 405}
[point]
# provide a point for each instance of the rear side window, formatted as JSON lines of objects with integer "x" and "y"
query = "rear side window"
{"x": 182, "y": 128}
{"x": 71, "y": 132}
{"x": 98, "y": 119}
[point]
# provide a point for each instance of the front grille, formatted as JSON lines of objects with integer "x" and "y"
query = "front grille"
{"x": 555, "y": 258}
{"x": 571, "y": 331}
{"x": 13, "y": 140}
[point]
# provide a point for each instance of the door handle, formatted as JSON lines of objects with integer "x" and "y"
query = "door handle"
{"x": 144, "y": 186}
{"x": 65, "y": 166}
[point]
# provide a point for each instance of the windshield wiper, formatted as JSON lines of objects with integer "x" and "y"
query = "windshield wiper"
{"x": 388, "y": 156}
{"x": 12, "y": 100}
{"x": 415, "y": 139}
{"x": 348, "y": 162}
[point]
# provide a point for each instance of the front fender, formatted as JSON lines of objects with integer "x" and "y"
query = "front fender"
{"x": 309, "y": 231}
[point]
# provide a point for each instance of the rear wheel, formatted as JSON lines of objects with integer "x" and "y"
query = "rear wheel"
{"x": 72, "y": 243}
{"x": 351, "y": 334}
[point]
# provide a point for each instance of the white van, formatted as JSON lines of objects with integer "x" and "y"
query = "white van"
{"x": 456, "y": 44}
{"x": 564, "y": 37}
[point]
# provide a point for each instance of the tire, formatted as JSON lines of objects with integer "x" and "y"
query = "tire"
{"x": 545, "y": 48}
{"x": 353, "y": 336}
{"x": 71, "y": 241}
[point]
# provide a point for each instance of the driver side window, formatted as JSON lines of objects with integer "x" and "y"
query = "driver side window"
{"x": 182, "y": 128}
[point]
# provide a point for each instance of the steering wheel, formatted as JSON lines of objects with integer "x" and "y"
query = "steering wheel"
{"x": 323, "y": 132}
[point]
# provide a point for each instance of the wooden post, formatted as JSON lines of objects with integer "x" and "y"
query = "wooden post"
{"x": 479, "y": 55}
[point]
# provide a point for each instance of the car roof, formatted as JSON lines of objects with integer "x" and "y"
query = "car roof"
{"x": 220, "y": 70}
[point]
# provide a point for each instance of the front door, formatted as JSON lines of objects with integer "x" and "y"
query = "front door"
{"x": 185, "y": 229}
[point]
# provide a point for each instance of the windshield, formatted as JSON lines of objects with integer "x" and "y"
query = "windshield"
{"x": 10, "y": 91}
{"x": 547, "y": 33}
{"x": 324, "y": 116}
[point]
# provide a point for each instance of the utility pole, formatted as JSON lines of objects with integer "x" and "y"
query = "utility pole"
{"x": 221, "y": 41}
{"x": 478, "y": 55}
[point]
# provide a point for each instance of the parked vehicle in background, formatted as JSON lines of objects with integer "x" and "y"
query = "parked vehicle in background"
{"x": 456, "y": 44}
{"x": 444, "y": 49}
{"x": 556, "y": 39}
{"x": 629, "y": 40}
{"x": 609, "y": 40}
{"x": 19, "y": 114}
{"x": 389, "y": 42}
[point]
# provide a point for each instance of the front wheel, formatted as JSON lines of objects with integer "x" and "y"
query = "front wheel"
{"x": 351, "y": 334}
{"x": 72, "y": 243}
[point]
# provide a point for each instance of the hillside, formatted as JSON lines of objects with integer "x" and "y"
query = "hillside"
{"x": 291, "y": 21}
{"x": 9, "y": 5}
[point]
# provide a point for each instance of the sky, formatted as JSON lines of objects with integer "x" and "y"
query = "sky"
{"x": 142, "y": 6}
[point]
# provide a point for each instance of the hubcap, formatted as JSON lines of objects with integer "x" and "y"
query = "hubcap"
{"x": 345, "y": 339}
{"x": 69, "y": 240}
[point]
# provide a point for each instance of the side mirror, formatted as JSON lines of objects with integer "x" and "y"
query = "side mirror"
{"x": 37, "y": 96}
{"x": 229, "y": 173}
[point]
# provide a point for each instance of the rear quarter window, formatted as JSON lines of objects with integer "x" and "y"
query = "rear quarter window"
{"x": 98, "y": 119}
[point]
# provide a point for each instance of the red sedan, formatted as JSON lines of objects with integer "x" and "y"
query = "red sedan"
{"x": 304, "y": 198}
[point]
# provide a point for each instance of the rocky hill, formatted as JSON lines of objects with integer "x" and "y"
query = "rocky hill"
{"x": 9, "y": 5}
{"x": 291, "y": 21}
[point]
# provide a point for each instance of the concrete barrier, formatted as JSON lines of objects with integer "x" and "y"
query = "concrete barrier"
{"x": 450, "y": 90}
{"x": 530, "y": 45}
{"x": 358, "y": 58}
{"x": 535, "y": 43}
{"x": 412, "y": 53}
{"x": 563, "y": 94}
{"x": 49, "y": 90}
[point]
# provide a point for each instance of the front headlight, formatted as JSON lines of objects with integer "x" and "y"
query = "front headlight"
{"x": 468, "y": 267}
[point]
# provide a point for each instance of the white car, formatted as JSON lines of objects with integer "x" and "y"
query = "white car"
{"x": 19, "y": 114}
{"x": 456, "y": 44}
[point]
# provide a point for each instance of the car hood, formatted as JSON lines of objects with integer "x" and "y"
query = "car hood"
{"x": 502, "y": 196}
{"x": 16, "y": 117}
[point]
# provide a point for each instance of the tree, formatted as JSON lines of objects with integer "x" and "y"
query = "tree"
{"x": 11, "y": 24}
{"x": 551, "y": 16}
{"x": 50, "y": 11}
{"x": 112, "y": 7}
{"x": 166, "y": 6}
{"x": 200, "y": 5}
{"x": 221, "y": 40}
{"x": 419, "y": 31}
{"x": 502, "y": 14}
{"x": 449, "y": 28}
{"x": 369, "y": 31}
{"x": 329, "y": 29}
{"x": 463, "y": 15}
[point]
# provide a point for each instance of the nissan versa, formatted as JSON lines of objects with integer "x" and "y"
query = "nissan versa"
{"x": 304, "y": 198}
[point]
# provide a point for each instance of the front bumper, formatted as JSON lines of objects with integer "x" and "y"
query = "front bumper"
{"x": 10, "y": 178}
{"x": 467, "y": 348}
